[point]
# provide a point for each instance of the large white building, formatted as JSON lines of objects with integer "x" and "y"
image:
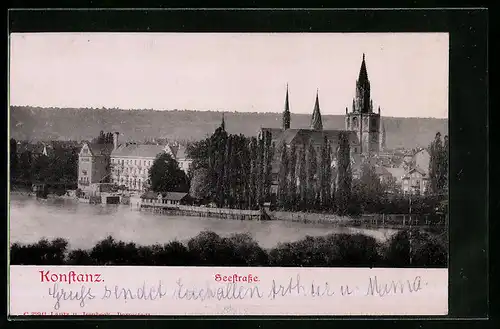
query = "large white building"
{"x": 124, "y": 164}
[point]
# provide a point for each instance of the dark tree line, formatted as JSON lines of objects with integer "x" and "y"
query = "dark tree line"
{"x": 232, "y": 170}
{"x": 58, "y": 166}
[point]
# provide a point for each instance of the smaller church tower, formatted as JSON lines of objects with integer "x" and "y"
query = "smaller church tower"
{"x": 286, "y": 112}
{"x": 316, "y": 122}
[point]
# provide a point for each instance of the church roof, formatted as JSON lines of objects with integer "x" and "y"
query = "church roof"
{"x": 305, "y": 136}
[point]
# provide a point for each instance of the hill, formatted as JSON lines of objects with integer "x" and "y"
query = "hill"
{"x": 35, "y": 123}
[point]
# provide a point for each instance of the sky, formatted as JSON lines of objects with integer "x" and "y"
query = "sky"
{"x": 246, "y": 72}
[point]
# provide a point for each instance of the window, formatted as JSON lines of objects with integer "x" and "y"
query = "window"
{"x": 355, "y": 122}
{"x": 135, "y": 162}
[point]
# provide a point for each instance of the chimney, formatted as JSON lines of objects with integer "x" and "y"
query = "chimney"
{"x": 115, "y": 140}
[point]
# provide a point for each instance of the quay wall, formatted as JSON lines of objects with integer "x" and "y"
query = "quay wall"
{"x": 367, "y": 220}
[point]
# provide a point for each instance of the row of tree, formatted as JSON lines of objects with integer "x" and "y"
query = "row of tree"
{"x": 232, "y": 170}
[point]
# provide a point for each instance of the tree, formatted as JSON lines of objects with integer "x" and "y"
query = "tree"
{"x": 368, "y": 189}
{"x": 25, "y": 166}
{"x": 328, "y": 179}
{"x": 325, "y": 175}
{"x": 292, "y": 186}
{"x": 446, "y": 163}
{"x": 438, "y": 166}
{"x": 13, "y": 158}
{"x": 40, "y": 169}
{"x": 283, "y": 178}
{"x": 200, "y": 184}
{"x": 254, "y": 171}
{"x": 312, "y": 168}
{"x": 260, "y": 174}
{"x": 166, "y": 176}
{"x": 344, "y": 174}
{"x": 268, "y": 174}
{"x": 302, "y": 177}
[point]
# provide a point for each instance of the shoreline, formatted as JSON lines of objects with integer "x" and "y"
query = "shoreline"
{"x": 364, "y": 221}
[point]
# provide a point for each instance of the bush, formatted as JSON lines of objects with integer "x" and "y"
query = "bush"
{"x": 110, "y": 252}
{"x": 41, "y": 253}
{"x": 171, "y": 254}
{"x": 414, "y": 248}
{"x": 80, "y": 257}
{"x": 244, "y": 251}
{"x": 328, "y": 251}
{"x": 407, "y": 248}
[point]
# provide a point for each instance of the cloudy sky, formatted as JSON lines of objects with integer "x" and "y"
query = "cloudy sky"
{"x": 230, "y": 72}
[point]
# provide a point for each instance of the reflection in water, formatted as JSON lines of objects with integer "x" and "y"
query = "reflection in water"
{"x": 83, "y": 225}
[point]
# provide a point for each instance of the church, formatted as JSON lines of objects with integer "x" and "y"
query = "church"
{"x": 362, "y": 126}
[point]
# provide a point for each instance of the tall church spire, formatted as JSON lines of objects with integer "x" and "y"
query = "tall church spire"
{"x": 286, "y": 112}
{"x": 363, "y": 100}
{"x": 316, "y": 122}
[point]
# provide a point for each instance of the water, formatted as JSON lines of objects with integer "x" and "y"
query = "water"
{"x": 83, "y": 225}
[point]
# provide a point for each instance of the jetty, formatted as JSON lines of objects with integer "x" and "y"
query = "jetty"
{"x": 222, "y": 213}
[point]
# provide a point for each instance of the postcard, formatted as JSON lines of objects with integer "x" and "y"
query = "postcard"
{"x": 195, "y": 174}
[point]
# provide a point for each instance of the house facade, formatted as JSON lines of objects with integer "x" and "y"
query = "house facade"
{"x": 415, "y": 181}
{"x": 93, "y": 164}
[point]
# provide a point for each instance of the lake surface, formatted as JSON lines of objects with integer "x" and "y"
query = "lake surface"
{"x": 83, "y": 225}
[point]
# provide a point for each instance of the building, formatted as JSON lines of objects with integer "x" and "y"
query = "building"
{"x": 166, "y": 198}
{"x": 421, "y": 159}
{"x": 415, "y": 181}
{"x": 93, "y": 164}
{"x": 362, "y": 127}
{"x": 130, "y": 162}
{"x": 383, "y": 174}
{"x": 362, "y": 120}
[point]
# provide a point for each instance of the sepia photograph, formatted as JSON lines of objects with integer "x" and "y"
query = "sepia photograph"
{"x": 229, "y": 149}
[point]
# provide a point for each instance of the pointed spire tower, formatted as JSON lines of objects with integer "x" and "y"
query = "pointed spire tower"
{"x": 363, "y": 101}
{"x": 316, "y": 122}
{"x": 286, "y": 112}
